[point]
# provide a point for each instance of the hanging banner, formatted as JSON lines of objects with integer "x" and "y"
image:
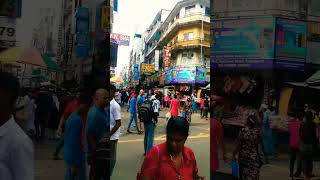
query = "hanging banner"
{"x": 114, "y": 55}
{"x": 121, "y": 40}
{"x": 183, "y": 75}
{"x": 136, "y": 72}
{"x": 168, "y": 76}
{"x": 313, "y": 43}
{"x": 167, "y": 56}
{"x": 156, "y": 60}
{"x": 290, "y": 44}
{"x": 243, "y": 43}
{"x": 147, "y": 68}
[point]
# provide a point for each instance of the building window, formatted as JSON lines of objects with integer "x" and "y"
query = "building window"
{"x": 177, "y": 16}
{"x": 188, "y": 36}
{"x": 190, "y": 10}
{"x": 207, "y": 37}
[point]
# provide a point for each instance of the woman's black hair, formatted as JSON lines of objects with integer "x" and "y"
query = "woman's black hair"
{"x": 309, "y": 117}
{"x": 178, "y": 125}
{"x": 10, "y": 85}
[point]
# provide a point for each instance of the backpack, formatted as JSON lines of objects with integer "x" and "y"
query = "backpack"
{"x": 146, "y": 111}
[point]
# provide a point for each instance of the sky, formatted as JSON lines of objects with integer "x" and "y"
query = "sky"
{"x": 135, "y": 16}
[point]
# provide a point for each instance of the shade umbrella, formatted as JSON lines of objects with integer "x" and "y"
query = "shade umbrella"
{"x": 116, "y": 79}
{"x": 29, "y": 56}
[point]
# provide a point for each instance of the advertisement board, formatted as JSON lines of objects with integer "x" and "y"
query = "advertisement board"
{"x": 167, "y": 56}
{"x": 201, "y": 75}
{"x": 290, "y": 49}
{"x": 156, "y": 60}
{"x": 183, "y": 75}
{"x": 7, "y": 32}
{"x": 243, "y": 43}
{"x": 11, "y": 8}
{"x": 82, "y": 32}
{"x": 121, "y": 40}
{"x": 168, "y": 76}
{"x": 162, "y": 80}
{"x": 147, "y": 68}
{"x": 136, "y": 72}
{"x": 313, "y": 43}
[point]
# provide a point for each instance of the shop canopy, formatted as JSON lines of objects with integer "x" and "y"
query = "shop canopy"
{"x": 313, "y": 82}
{"x": 51, "y": 64}
{"x": 29, "y": 56}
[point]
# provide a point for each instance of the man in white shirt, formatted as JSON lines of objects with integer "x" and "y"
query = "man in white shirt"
{"x": 16, "y": 152}
{"x": 115, "y": 123}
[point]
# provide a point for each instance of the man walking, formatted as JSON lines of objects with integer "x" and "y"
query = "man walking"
{"x": 115, "y": 123}
{"x": 16, "y": 152}
{"x": 96, "y": 129}
{"x": 74, "y": 152}
{"x": 139, "y": 103}
{"x": 133, "y": 114}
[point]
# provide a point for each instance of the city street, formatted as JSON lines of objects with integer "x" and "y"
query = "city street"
{"x": 130, "y": 150}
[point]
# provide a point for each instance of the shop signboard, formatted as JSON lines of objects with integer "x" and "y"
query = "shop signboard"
{"x": 147, "y": 68}
{"x": 114, "y": 54}
{"x": 11, "y": 8}
{"x": 7, "y": 32}
{"x": 291, "y": 45}
{"x": 120, "y": 39}
{"x": 82, "y": 32}
{"x": 167, "y": 56}
{"x": 168, "y": 76}
{"x": 105, "y": 18}
{"x": 162, "y": 80}
{"x": 136, "y": 72}
{"x": 313, "y": 43}
{"x": 201, "y": 75}
{"x": 183, "y": 75}
{"x": 156, "y": 60}
{"x": 243, "y": 43}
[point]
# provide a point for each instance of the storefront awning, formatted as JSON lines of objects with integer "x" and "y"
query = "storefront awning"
{"x": 51, "y": 65}
{"x": 301, "y": 84}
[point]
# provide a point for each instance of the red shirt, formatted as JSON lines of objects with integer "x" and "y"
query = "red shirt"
{"x": 157, "y": 165}
{"x": 175, "y": 104}
{"x": 216, "y": 135}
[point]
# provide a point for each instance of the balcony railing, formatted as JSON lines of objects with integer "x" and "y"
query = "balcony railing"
{"x": 185, "y": 20}
{"x": 191, "y": 42}
{"x": 153, "y": 31}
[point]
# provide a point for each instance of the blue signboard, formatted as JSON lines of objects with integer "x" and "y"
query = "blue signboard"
{"x": 243, "y": 43}
{"x": 201, "y": 75}
{"x": 82, "y": 32}
{"x": 136, "y": 72}
{"x": 291, "y": 44}
{"x": 115, "y": 5}
{"x": 183, "y": 75}
{"x": 114, "y": 54}
{"x": 168, "y": 77}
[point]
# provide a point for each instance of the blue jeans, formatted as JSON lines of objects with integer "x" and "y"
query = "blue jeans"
{"x": 268, "y": 142}
{"x": 133, "y": 116}
{"x": 81, "y": 176}
{"x": 148, "y": 136}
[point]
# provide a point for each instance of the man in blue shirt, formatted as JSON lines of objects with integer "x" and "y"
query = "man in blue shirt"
{"x": 74, "y": 152}
{"x": 139, "y": 103}
{"x": 97, "y": 128}
{"x": 133, "y": 113}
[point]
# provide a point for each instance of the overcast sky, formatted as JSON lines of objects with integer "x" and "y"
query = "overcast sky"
{"x": 135, "y": 16}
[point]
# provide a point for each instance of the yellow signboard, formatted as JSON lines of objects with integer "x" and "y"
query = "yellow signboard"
{"x": 105, "y": 17}
{"x": 147, "y": 68}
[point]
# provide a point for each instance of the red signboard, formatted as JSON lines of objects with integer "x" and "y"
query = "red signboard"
{"x": 121, "y": 40}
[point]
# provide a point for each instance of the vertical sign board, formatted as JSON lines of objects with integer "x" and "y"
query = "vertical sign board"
{"x": 201, "y": 73}
{"x": 105, "y": 18}
{"x": 313, "y": 43}
{"x": 82, "y": 32}
{"x": 136, "y": 72}
{"x": 243, "y": 43}
{"x": 291, "y": 45}
{"x": 7, "y": 32}
{"x": 114, "y": 54}
{"x": 156, "y": 60}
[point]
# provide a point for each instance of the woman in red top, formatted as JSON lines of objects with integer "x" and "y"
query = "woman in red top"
{"x": 174, "y": 107}
{"x": 216, "y": 137}
{"x": 171, "y": 160}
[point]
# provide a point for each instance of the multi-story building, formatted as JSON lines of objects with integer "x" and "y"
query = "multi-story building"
{"x": 187, "y": 32}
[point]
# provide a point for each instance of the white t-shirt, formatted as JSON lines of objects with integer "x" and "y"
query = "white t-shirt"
{"x": 115, "y": 114}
